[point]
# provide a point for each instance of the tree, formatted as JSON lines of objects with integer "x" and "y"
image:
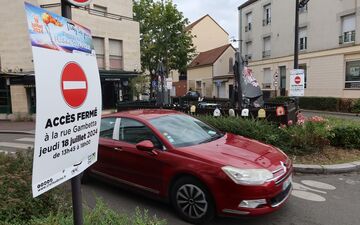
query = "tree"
{"x": 163, "y": 36}
{"x": 139, "y": 85}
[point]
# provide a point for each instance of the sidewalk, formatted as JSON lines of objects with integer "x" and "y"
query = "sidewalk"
{"x": 17, "y": 127}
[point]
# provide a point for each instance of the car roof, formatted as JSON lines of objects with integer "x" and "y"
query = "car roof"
{"x": 146, "y": 114}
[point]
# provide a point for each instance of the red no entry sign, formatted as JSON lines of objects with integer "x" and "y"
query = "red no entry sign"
{"x": 74, "y": 85}
{"x": 297, "y": 80}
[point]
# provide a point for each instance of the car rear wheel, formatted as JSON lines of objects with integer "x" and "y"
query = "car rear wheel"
{"x": 192, "y": 201}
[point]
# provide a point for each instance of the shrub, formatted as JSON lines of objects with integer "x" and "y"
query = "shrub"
{"x": 319, "y": 103}
{"x": 356, "y": 107}
{"x": 101, "y": 215}
{"x": 345, "y": 136}
{"x": 16, "y": 202}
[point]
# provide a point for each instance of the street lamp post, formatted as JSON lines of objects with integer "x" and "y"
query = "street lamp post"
{"x": 299, "y": 5}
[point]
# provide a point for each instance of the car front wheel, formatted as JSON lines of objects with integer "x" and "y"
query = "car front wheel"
{"x": 192, "y": 201}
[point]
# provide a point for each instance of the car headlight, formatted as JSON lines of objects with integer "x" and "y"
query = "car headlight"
{"x": 248, "y": 176}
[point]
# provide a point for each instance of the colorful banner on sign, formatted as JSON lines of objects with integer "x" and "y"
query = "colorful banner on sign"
{"x": 68, "y": 98}
{"x": 297, "y": 83}
{"x": 48, "y": 30}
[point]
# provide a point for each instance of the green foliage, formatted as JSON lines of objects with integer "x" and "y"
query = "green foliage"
{"x": 356, "y": 107}
{"x": 345, "y": 136}
{"x": 303, "y": 139}
{"x": 16, "y": 202}
{"x": 18, "y": 207}
{"x": 319, "y": 103}
{"x": 324, "y": 103}
{"x": 163, "y": 35}
{"x": 139, "y": 85}
{"x": 101, "y": 215}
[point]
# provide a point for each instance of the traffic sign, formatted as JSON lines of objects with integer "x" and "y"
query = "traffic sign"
{"x": 297, "y": 84}
{"x": 74, "y": 85}
{"x": 276, "y": 83}
{"x": 297, "y": 80}
{"x": 80, "y": 2}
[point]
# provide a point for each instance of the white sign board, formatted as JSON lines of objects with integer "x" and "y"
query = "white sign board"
{"x": 297, "y": 83}
{"x": 169, "y": 83}
{"x": 68, "y": 98}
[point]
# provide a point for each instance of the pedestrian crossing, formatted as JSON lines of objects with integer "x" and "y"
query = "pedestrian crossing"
{"x": 17, "y": 145}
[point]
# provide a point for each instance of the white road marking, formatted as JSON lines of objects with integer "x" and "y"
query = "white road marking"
{"x": 319, "y": 185}
{"x": 308, "y": 196}
{"x": 15, "y": 145}
{"x": 307, "y": 193}
{"x": 72, "y": 85}
{"x": 6, "y": 152}
{"x": 301, "y": 187}
{"x": 26, "y": 139}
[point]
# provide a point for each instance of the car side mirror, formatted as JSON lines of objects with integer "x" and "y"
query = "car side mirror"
{"x": 146, "y": 145}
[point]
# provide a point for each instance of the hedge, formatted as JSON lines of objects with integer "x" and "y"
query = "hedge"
{"x": 324, "y": 103}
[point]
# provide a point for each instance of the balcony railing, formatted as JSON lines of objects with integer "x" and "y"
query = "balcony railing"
{"x": 347, "y": 37}
{"x": 92, "y": 12}
{"x": 267, "y": 21}
{"x": 248, "y": 57}
{"x": 266, "y": 54}
{"x": 248, "y": 27}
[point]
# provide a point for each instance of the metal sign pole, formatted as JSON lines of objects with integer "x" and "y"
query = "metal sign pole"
{"x": 75, "y": 181}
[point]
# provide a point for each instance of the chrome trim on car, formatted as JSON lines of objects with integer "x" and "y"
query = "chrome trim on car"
{"x": 238, "y": 212}
{"x": 281, "y": 202}
{"x": 126, "y": 182}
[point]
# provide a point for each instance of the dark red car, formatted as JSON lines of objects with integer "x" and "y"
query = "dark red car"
{"x": 200, "y": 170}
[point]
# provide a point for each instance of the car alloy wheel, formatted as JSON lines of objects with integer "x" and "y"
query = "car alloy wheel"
{"x": 192, "y": 201}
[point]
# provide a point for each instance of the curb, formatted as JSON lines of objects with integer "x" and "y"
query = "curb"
{"x": 327, "y": 169}
{"x": 17, "y": 132}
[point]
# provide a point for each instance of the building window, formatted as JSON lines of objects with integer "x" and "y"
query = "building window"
{"x": 100, "y": 51}
{"x": 115, "y": 54}
{"x": 248, "y": 26}
{"x": 99, "y": 10}
{"x": 248, "y": 50}
{"x": 267, "y": 47}
{"x": 198, "y": 86}
{"x": 304, "y": 67}
{"x": 348, "y": 29}
{"x": 302, "y": 39}
{"x": 267, "y": 15}
{"x": 352, "y": 77}
{"x": 303, "y": 9}
{"x": 267, "y": 79}
{"x": 231, "y": 65}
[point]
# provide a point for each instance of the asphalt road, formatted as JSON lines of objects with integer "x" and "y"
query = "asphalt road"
{"x": 325, "y": 114}
{"x": 316, "y": 200}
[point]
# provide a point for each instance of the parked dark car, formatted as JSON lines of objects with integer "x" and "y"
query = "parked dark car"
{"x": 199, "y": 170}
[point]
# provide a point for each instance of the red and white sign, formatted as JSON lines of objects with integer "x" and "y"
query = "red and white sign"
{"x": 80, "y": 2}
{"x": 297, "y": 84}
{"x": 74, "y": 86}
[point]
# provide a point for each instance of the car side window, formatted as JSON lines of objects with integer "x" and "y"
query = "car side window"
{"x": 107, "y": 127}
{"x": 132, "y": 131}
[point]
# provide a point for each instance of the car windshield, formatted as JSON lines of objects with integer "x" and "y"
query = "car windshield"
{"x": 182, "y": 130}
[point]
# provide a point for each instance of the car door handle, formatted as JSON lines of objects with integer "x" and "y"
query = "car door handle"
{"x": 119, "y": 149}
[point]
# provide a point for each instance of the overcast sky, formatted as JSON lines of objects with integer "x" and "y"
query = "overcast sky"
{"x": 224, "y": 12}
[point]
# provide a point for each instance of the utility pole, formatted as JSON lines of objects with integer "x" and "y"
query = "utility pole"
{"x": 298, "y": 6}
{"x": 75, "y": 181}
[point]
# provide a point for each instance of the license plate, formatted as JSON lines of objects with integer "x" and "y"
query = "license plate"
{"x": 287, "y": 182}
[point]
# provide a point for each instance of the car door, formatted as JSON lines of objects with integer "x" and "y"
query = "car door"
{"x": 137, "y": 168}
{"x": 107, "y": 145}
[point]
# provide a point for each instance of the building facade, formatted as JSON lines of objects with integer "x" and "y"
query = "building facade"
{"x": 211, "y": 72}
{"x": 115, "y": 38}
{"x": 329, "y": 45}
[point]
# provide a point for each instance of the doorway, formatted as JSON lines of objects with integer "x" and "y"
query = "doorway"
{"x": 282, "y": 70}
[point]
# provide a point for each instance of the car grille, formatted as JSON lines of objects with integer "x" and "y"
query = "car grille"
{"x": 280, "y": 198}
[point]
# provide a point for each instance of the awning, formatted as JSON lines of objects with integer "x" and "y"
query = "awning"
{"x": 112, "y": 75}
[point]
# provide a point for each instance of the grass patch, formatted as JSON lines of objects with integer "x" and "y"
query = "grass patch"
{"x": 328, "y": 156}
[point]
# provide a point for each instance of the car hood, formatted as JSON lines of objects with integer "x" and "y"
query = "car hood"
{"x": 237, "y": 151}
